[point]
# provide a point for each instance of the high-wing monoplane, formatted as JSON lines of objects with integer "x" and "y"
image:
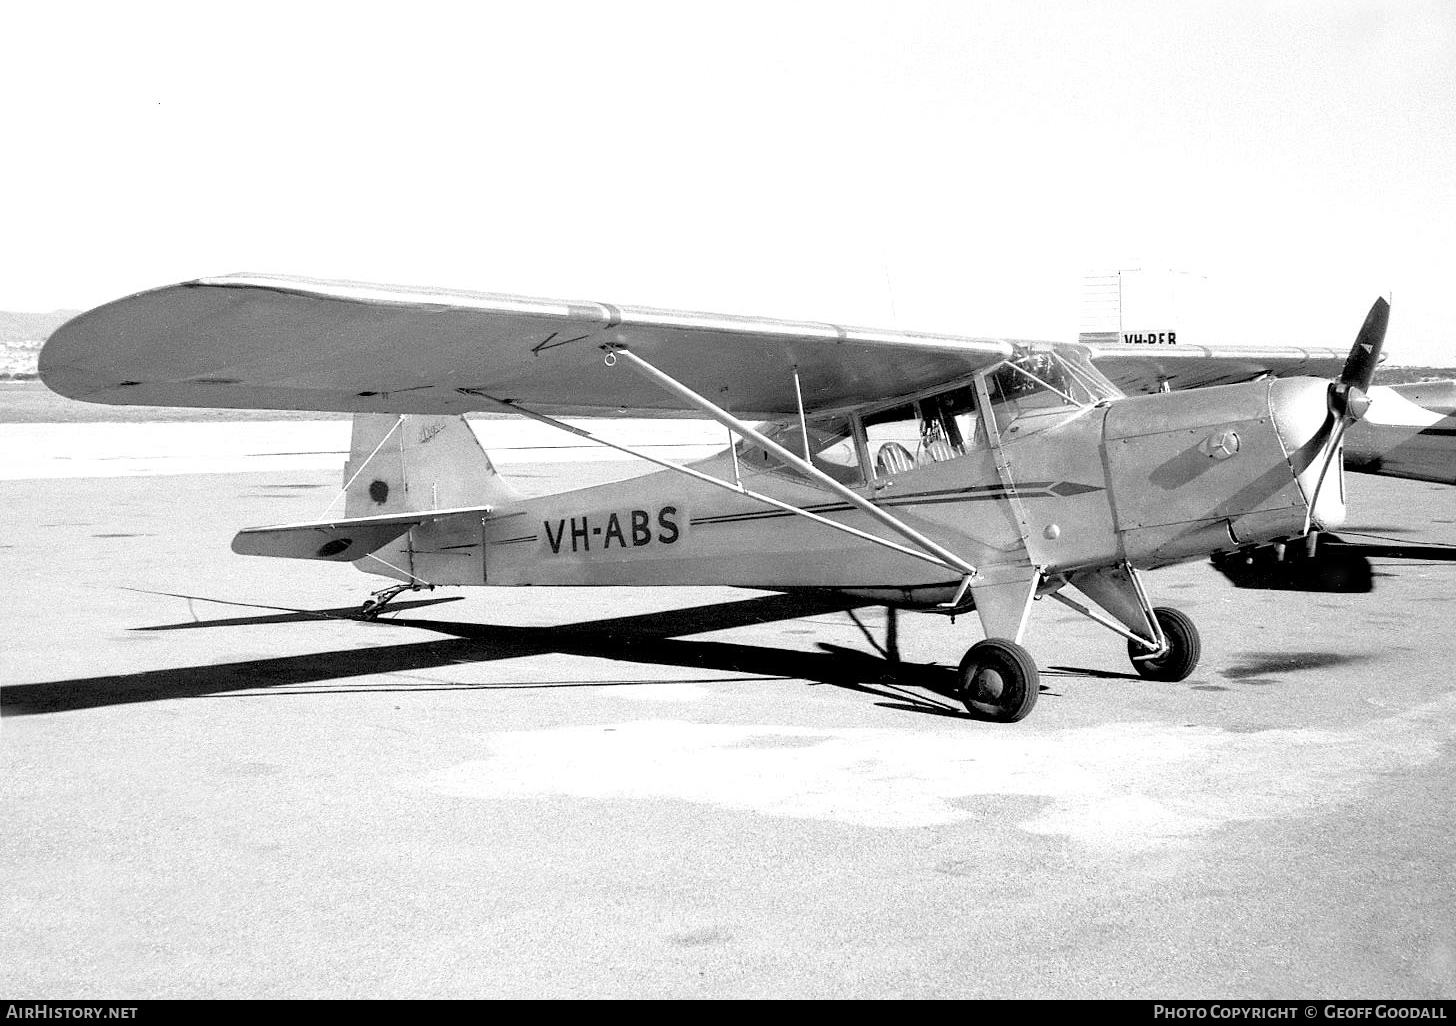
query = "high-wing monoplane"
{"x": 931, "y": 472}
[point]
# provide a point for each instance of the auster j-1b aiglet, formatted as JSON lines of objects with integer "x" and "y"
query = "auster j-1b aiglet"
{"x": 919, "y": 471}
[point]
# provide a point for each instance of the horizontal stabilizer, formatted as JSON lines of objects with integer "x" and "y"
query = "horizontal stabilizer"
{"x": 339, "y": 540}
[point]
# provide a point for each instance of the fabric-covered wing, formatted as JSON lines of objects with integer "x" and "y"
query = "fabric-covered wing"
{"x": 1138, "y": 369}
{"x": 257, "y": 342}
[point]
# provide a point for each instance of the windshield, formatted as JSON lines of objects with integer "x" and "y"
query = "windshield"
{"x": 1044, "y": 383}
{"x": 1053, "y": 378}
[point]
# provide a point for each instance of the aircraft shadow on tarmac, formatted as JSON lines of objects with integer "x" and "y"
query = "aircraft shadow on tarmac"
{"x": 648, "y": 638}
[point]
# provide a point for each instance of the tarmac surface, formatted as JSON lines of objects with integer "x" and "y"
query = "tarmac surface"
{"x": 216, "y": 783}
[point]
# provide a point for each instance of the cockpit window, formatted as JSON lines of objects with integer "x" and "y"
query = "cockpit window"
{"x": 930, "y": 430}
{"x": 1039, "y": 388}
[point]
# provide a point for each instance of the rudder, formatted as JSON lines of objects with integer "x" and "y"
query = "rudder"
{"x": 407, "y": 462}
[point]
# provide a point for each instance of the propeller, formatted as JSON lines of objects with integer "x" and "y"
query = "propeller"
{"x": 1349, "y": 398}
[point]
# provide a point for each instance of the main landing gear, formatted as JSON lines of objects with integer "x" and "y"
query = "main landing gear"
{"x": 1179, "y": 658}
{"x": 998, "y": 679}
{"x": 376, "y": 602}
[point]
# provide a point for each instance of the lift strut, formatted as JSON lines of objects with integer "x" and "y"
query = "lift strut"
{"x": 737, "y": 488}
{"x": 813, "y": 473}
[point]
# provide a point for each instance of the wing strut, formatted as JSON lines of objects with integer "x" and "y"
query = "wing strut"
{"x": 942, "y": 555}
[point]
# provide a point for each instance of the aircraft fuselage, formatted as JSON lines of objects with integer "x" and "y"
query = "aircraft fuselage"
{"x": 1148, "y": 480}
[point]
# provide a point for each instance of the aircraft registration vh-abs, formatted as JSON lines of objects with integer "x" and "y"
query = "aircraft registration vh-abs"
{"x": 919, "y": 471}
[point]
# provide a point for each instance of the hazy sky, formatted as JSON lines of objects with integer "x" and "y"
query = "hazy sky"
{"x": 949, "y": 166}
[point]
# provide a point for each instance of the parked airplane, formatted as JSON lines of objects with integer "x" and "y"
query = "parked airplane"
{"x": 1434, "y": 396}
{"x": 1399, "y": 438}
{"x": 922, "y": 471}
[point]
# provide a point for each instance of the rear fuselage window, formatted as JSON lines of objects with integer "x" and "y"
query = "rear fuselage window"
{"x": 831, "y": 449}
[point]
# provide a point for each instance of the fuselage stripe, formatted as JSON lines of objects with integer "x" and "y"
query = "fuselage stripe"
{"x": 946, "y": 497}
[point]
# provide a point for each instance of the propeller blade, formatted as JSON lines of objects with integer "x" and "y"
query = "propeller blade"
{"x": 1347, "y": 399}
{"x": 1365, "y": 353}
{"x": 1332, "y": 449}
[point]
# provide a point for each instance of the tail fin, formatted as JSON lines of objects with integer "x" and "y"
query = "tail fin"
{"x": 404, "y": 463}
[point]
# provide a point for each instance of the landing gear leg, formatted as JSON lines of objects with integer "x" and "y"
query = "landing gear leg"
{"x": 998, "y": 678}
{"x": 1161, "y": 642}
{"x": 376, "y": 602}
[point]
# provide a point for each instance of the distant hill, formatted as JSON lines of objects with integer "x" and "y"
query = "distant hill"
{"x": 18, "y": 328}
{"x": 22, "y": 335}
{"x": 1388, "y": 375}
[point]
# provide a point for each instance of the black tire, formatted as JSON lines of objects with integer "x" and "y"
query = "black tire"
{"x": 998, "y": 680}
{"x": 1184, "y": 648}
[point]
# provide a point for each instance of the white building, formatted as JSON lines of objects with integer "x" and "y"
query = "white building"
{"x": 1145, "y": 306}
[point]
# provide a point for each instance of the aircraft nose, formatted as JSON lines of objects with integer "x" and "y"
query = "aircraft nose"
{"x": 1197, "y": 471}
{"x": 1307, "y": 430}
